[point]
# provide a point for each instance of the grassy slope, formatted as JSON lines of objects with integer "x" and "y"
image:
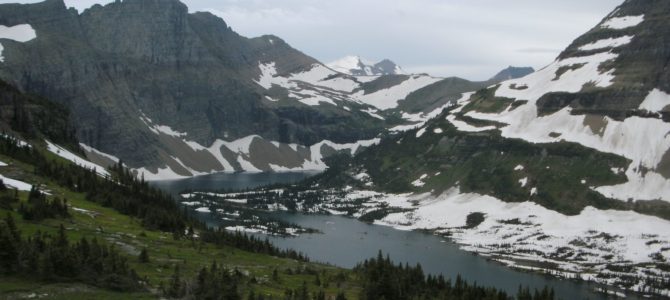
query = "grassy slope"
{"x": 165, "y": 252}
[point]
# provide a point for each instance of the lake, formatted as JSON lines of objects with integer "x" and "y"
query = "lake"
{"x": 345, "y": 241}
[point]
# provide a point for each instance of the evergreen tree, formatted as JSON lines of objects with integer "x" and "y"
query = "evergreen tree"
{"x": 144, "y": 256}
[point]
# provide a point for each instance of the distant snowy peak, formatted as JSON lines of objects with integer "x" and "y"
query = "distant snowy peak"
{"x": 355, "y": 65}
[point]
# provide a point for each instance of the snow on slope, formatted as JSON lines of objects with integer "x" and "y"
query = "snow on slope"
{"x": 64, "y": 153}
{"x": 16, "y": 184}
{"x": 623, "y": 22}
{"x": 356, "y": 65}
{"x": 321, "y": 85}
{"x": 88, "y": 148}
{"x": 161, "y": 174}
{"x": 607, "y": 43}
{"x": 348, "y": 63}
{"x": 20, "y": 33}
{"x": 631, "y": 231}
{"x": 388, "y": 98}
{"x": 243, "y": 156}
{"x": 2, "y": 164}
{"x": 526, "y": 232}
{"x": 642, "y": 140}
{"x": 656, "y": 101}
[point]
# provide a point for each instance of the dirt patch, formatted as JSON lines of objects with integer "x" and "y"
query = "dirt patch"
{"x": 663, "y": 167}
{"x": 98, "y": 159}
{"x": 596, "y": 123}
{"x": 265, "y": 153}
{"x": 201, "y": 161}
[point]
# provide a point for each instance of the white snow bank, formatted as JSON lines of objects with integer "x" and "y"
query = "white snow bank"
{"x": 419, "y": 182}
{"x": 241, "y": 148}
{"x": 623, "y": 22}
{"x": 388, "y": 98}
{"x": 420, "y": 132}
{"x": 466, "y": 127}
{"x": 2, "y": 164}
{"x": 96, "y": 151}
{"x": 203, "y": 210}
{"x": 161, "y": 174}
{"x": 655, "y": 101}
{"x": 607, "y": 43}
{"x": 64, "y": 153}
{"x": 16, "y": 184}
{"x": 631, "y": 230}
{"x": 523, "y": 181}
{"x": 158, "y": 129}
{"x": 640, "y": 186}
{"x": 642, "y": 140}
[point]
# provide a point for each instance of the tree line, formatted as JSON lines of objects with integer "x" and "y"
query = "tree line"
{"x": 54, "y": 258}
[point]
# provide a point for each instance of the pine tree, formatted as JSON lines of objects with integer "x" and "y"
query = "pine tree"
{"x": 144, "y": 256}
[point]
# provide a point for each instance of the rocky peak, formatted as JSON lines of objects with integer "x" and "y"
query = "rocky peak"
{"x": 511, "y": 73}
{"x": 358, "y": 66}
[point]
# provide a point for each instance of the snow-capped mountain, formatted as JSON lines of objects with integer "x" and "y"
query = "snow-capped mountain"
{"x": 355, "y": 65}
{"x": 179, "y": 94}
{"x": 568, "y": 166}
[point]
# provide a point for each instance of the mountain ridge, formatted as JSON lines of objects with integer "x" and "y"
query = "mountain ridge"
{"x": 355, "y": 65}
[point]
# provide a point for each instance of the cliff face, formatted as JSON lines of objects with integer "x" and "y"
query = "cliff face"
{"x": 113, "y": 65}
{"x": 637, "y": 36}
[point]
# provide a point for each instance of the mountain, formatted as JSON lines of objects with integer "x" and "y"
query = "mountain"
{"x": 567, "y": 165}
{"x": 355, "y": 65}
{"x": 512, "y": 73}
{"x": 70, "y": 232}
{"x": 174, "y": 94}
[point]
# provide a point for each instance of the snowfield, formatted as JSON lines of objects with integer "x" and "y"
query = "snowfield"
{"x": 642, "y": 140}
{"x": 241, "y": 148}
{"x": 388, "y": 98}
{"x": 16, "y": 184}
{"x": 607, "y": 43}
{"x": 522, "y": 235}
{"x": 623, "y": 22}
{"x": 64, "y": 153}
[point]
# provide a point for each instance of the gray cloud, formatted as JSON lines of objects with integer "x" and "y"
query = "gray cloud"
{"x": 472, "y": 39}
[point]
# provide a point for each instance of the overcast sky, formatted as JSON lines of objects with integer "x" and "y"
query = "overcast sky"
{"x": 471, "y": 39}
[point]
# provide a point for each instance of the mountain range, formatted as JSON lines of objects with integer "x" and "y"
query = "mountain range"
{"x": 567, "y": 166}
{"x": 176, "y": 94}
{"x": 355, "y": 65}
{"x": 564, "y": 170}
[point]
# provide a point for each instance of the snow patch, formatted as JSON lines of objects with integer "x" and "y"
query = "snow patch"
{"x": 623, "y": 22}
{"x": 64, "y": 153}
{"x": 523, "y": 181}
{"x": 203, "y": 210}
{"x": 96, "y": 151}
{"x": 607, "y": 43}
{"x": 420, "y": 132}
{"x": 161, "y": 174}
{"x": 158, "y": 129}
{"x": 631, "y": 230}
{"x": 388, "y": 98}
{"x": 419, "y": 182}
{"x": 655, "y": 101}
{"x": 15, "y": 184}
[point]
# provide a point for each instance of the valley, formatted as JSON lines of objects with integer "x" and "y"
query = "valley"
{"x": 149, "y": 150}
